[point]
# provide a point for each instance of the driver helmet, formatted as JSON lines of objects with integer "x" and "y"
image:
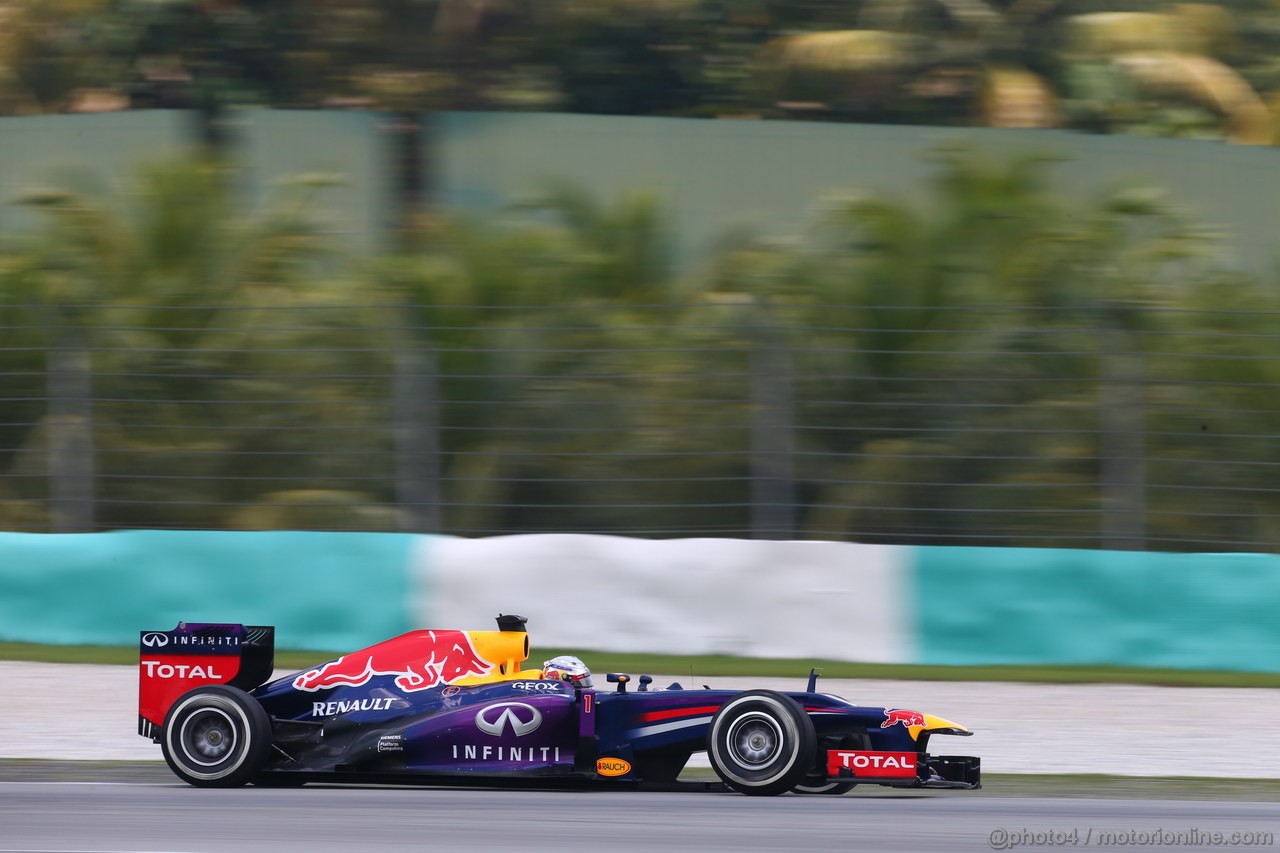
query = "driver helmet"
{"x": 567, "y": 668}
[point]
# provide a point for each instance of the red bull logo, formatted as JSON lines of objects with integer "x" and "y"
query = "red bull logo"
{"x": 893, "y": 716}
{"x": 419, "y": 660}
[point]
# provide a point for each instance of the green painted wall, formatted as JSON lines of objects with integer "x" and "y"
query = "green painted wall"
{"x": 320, "y": 590}
{"x": 1039, "y": 606}
{"x": 270, "y": 146}
{"x": 102, "y": 152}
{"x": 716, "y": 176}
{"x": 771, "y": 176}
{"x": 98, "y": 152}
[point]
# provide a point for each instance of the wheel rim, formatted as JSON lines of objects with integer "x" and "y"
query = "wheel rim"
{"x": 208, "y": 736}
{"x": 754, "y": 739}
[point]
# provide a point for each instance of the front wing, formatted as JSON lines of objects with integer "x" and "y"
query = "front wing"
{"x": 904, "y": 769}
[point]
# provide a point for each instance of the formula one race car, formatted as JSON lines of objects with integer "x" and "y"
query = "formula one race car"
{"x": 447, "y": 707}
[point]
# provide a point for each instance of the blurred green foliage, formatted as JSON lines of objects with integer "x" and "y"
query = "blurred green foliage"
{"x": 946, "y": 364}
{"x": 1204, "y": 70}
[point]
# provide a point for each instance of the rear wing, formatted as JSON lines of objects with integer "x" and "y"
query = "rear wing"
{"x": 193, "y": 654}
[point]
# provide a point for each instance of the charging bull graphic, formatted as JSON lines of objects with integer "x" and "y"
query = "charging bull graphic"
{"x": 419, "y": 660}
{"x": 893, "y": 716}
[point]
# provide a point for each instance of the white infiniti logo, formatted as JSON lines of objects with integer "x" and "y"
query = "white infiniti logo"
{"x": 154, "y": 639}
{"x": 487, "y": 722}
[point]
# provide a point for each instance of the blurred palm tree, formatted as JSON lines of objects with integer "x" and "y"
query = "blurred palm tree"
{"x": 966, "y": 354}
{"x": 155, "y": 283}
{"x": 620, "y": 249}
{"x": 555, "y": 348}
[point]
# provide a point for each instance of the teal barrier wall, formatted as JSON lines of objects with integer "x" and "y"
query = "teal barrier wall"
{"x": 339, "y": 591}
{"x": 1036, "y": 606}
{"x": 320, "y": 590}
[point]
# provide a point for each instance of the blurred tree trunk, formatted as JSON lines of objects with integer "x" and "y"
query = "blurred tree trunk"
{"x": 408, "y": 136}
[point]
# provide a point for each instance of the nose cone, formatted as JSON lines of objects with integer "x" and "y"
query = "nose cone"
{"x": 938, "y": 725}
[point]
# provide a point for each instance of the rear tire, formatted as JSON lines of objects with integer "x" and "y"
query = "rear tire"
{"x": 761, "y": 743}
{"x": 216, "y": 736}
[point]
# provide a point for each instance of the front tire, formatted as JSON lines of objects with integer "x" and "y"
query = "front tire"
{"x": 761, "y": 743}
{"x": 828, "y": 788}
{"x": 216, "y": 737}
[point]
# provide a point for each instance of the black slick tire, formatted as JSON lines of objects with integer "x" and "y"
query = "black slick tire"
{"x": 761, "y": 743}
{"x": 216, "y": 736}
{"x": 830, "y": 788}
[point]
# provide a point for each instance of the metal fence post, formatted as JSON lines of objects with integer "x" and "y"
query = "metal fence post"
{"x": 416, "y": 427}
{"x": 70, "y": 445}
{"x": 1122, "y": 443}
{"x": 773, "y": 492}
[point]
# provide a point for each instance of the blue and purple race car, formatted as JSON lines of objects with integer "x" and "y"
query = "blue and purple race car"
{"x": 450, "y": 707}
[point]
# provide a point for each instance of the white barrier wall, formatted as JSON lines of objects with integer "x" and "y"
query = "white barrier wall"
{"x": 831, "y": 600}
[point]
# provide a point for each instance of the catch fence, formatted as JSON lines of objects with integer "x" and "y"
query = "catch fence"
{"x": 983, "y": 425}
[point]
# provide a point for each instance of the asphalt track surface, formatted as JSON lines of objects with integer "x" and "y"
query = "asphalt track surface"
{"x": 82, "y": 712}
{"x": 107, "y": 817}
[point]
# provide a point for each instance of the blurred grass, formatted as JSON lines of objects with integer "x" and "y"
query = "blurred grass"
{"x": 724, "y": 665}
